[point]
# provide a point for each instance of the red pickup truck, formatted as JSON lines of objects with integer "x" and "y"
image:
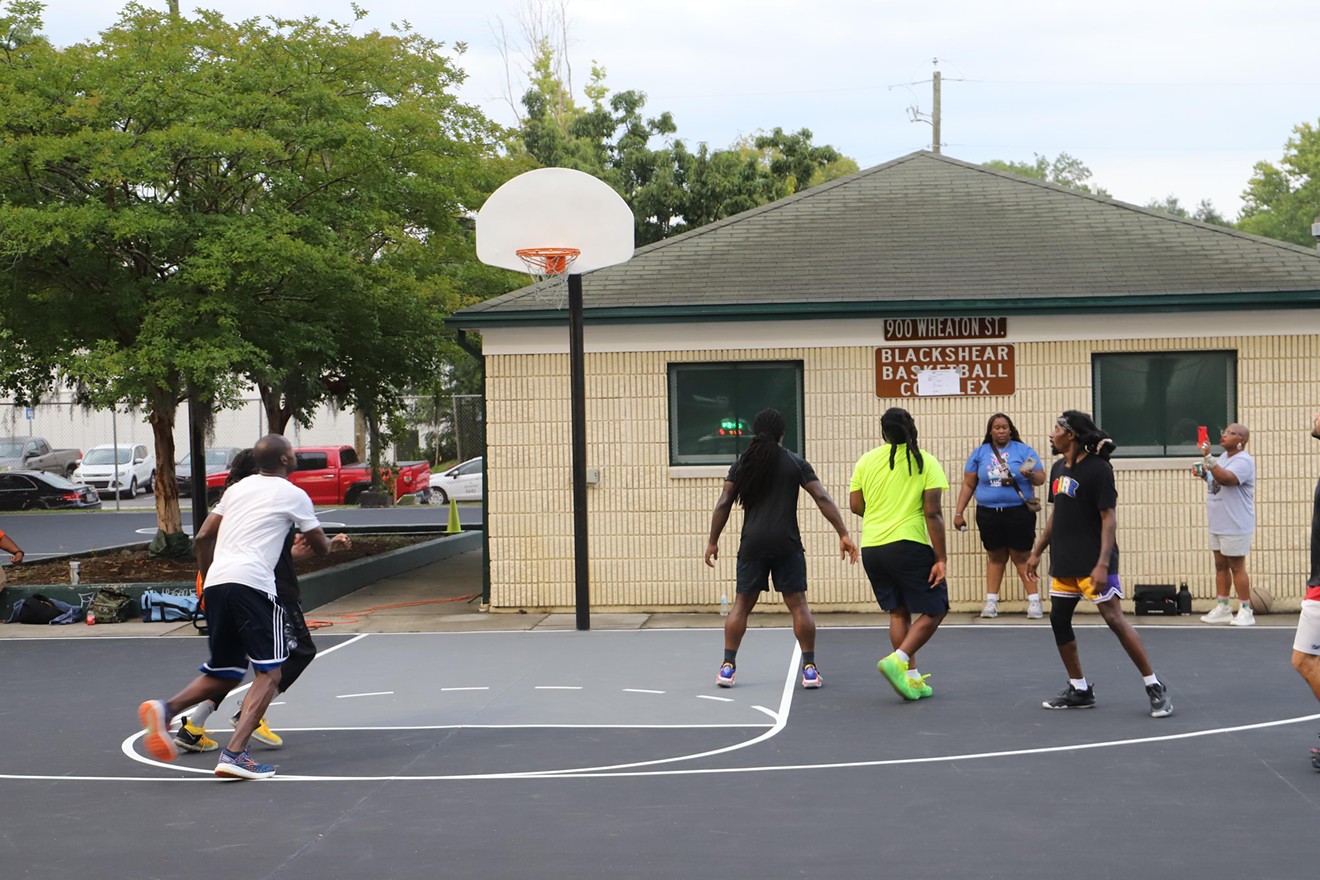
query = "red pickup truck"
{"x": 334, "y": 475}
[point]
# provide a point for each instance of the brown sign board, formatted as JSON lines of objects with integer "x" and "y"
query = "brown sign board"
{"x": 984, "y": 370}
{"x": 917, "y": 329}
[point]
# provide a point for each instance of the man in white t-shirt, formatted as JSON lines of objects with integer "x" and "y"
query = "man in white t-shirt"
{"x": 1230, "y": 509}
{"x": 237, "y": 549}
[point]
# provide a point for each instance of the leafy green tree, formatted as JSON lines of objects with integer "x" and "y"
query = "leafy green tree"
{"x": 669, "y": 187}
{"x": 1282, "y": 201}
{"x": 186, "y": 201}
{"x": 1063, "y": 170}
{"x": 1205, "y": 210}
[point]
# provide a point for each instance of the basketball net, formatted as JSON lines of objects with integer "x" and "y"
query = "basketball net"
{"x": 548, "y": 267}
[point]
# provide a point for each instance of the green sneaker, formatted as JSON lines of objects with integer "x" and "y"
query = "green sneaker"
{"x": 895, "y": 672}
{"x": 919, "y": 686}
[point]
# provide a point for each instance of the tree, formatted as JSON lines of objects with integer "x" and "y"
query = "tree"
{"x": 1064, "y": 170}
{"x": 186, "y": 201}
{"x": 1282, "y": 201}
{"x": 1205, "y": 210}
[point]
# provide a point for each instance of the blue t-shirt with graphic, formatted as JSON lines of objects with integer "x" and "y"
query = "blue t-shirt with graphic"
{"x": 995, "y": 475}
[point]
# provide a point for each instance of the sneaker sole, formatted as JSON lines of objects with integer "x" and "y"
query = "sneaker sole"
{"x": 811, "y": 685}
{"x": 197, "y": 747}
{"x": 233, "y": 771}
{"x": 268, "y": 743}
{"x": 1235, "y": 623}
{"x": 1081, "y": 706}
{"x": 1161, "y": 713}
{"x": 157, "y": 742}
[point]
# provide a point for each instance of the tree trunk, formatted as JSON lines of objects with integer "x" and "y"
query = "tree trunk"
{"x": 166, "y": 489}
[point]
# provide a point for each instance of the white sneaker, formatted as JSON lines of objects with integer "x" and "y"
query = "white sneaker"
{"x": 1034, "y": 609}
{"x": 1245, "y": 617}
{"x": 1218, "y": 614}
{"x": 991, "y": 608}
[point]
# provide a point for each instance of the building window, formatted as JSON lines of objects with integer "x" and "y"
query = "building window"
{"x": 1152, "y": 403}
{"x": 711, "y": 407}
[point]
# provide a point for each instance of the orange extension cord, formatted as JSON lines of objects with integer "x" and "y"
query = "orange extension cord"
{"x": 356, "y": 616}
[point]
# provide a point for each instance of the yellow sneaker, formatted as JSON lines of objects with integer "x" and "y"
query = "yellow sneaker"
{"x": 192, "y": 738}
{"x": 919, "y": 686}
{"x": 267, "y": 737}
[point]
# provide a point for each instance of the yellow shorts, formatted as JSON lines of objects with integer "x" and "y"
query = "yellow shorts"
{"x": 1066, "y": 587}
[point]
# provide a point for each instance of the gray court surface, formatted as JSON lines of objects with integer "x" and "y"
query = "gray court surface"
{"x": 613, "y": 754}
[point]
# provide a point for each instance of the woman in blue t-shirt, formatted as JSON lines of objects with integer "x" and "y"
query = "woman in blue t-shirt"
{"x": 1002, "y": 472}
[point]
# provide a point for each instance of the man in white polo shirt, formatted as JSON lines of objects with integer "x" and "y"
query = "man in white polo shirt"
{"x": 237, "y": 549}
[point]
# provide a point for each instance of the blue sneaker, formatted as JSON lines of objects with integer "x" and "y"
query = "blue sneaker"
{"x": 811, "y": 676}
{"x": 725, "y": 677}
{"x": 241, "y": 766}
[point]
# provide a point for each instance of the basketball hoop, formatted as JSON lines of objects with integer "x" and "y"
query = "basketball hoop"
{"x": 548, "y": 267}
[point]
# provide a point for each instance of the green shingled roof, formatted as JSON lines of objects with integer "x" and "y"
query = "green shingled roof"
{"x": 926, "y": 233}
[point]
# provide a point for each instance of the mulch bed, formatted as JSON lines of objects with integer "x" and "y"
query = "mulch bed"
{"x": 136, "y": 567}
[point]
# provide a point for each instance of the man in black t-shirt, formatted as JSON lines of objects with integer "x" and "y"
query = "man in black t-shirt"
{"x": 1082, "y": 529}
{"x": 766, "y": 479}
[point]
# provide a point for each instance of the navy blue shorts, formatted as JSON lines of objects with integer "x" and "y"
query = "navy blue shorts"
{"x": 1012, "y": 527}
{"x": 789, "y": 571}
{"x": 898, "y": 573}
{"x": 244, "y": 625}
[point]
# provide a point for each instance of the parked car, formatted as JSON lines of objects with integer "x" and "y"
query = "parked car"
{"x": 125, "y": 469}
{"x": 219, "y": 459}
{"x": 461, "y": 483}
{"x": 334, "y": 475}
{"x": 38, "y": 490}
{"x": 35, "y": 454}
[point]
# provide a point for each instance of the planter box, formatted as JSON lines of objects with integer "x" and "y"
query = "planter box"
{"x": 318, "y": 588}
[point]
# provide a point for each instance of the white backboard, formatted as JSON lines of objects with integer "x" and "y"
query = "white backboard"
{"x": 555, "y": 207}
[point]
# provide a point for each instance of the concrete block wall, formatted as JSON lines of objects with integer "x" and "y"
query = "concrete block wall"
{"x": 648, "y": 521}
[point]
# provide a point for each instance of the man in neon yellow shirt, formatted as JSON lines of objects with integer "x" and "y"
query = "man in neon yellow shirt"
{"x": 896, "y": 489}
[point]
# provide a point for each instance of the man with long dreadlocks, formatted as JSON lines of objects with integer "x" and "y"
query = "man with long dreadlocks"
{"x": 896, "y": 489}
{"x": 1084, "y": 560}
{"x": 765, "y": 479}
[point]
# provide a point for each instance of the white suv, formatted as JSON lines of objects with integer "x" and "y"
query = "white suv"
{"x": 125, "y": 469}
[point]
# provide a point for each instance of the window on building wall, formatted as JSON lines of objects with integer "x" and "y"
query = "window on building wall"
{"x": 711, "y": 406}
{"x": 1152, "y": 402}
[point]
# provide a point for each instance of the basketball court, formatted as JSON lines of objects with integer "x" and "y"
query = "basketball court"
{"x": 613, "y": 754}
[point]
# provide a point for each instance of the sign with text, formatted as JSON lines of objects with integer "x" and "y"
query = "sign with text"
{"x": 917, "y": 329}
{"x": 983, "y": 370}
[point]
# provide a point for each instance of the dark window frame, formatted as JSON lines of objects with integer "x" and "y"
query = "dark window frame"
{"x": 795, "y": 429}
{"x": 1183, "y": 401}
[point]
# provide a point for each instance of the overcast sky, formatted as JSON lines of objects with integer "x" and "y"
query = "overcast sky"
{"x": 1157, "y": 97}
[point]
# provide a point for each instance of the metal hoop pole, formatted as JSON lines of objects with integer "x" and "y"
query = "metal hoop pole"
{"x": 578, "y": 391}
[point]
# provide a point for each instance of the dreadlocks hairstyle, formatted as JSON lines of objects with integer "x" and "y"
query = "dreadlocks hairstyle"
{"x": 244, "y": 465}
{"x": 1012, "y": 429}
{"x": 896, "y": 426}
{"x": 758, "y": 460}
{"x": 1093, "y": 440}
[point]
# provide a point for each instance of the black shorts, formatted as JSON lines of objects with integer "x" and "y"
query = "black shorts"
{"x": 899, "y": 574}
{"x": 789, "y": 570}
{"x": 244, "y": 625}
{"x": 1012, "y": 527}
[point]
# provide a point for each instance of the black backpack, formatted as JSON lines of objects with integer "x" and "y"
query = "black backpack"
{"x": 35, "y": 609}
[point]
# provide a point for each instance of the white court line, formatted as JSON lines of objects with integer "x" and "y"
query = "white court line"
{"x": 640, "y": 691}
{"x": 372, "y": 694}
{"x": 709, "y": 697}
{"x": 558, "y": 687}
{"x": 442, "y": 690}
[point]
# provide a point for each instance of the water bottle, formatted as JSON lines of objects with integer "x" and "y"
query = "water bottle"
{"x": 724, "y": 604}
{"x": 1184, "y": 599}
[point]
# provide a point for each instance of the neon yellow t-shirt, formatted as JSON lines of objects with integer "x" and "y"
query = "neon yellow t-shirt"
{"x": 893, "y": 497}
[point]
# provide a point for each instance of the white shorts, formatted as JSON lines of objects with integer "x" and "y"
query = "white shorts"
{"x": 1308, "y": 628}
{"x": 1231, "y": 545}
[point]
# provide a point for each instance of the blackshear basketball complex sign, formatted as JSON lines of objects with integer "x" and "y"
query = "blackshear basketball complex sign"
{"x": 952, "y": 363}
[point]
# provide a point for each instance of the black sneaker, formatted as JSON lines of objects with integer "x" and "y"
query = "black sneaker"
{"x": 1160, "y": 706}
{"x": 1072, "y": 698}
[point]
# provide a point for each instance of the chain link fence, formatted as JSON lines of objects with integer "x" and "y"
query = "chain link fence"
{"x": 440, "y": 430}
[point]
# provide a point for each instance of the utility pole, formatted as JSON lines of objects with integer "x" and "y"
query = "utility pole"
{"x": 935, "y": 110}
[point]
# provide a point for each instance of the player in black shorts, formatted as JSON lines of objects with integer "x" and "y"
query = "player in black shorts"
{"x": 766, "y": 479}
